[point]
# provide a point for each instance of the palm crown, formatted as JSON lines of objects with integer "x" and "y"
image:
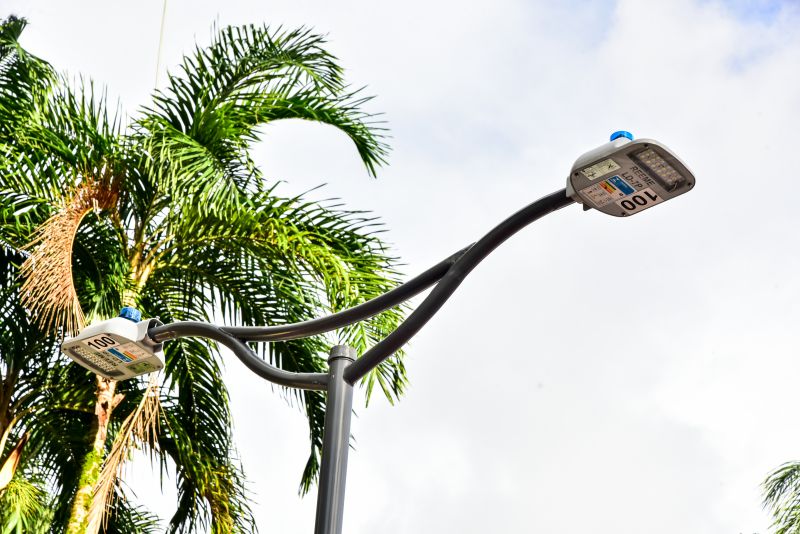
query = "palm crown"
{"x": 171, "y": 215}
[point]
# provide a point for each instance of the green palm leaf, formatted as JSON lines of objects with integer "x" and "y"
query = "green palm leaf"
{"x": 24, "y": 79}
{"x": 25, "y": 507}
{"x": 199, "y": 130}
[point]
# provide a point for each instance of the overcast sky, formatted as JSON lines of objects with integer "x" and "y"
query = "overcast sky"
{"x": 604, "y": 375}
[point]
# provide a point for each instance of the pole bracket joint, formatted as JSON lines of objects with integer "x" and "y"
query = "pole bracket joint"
{"x": 342, "y": 352}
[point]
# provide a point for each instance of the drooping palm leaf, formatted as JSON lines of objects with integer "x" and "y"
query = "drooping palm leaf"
{"x": 127, "y": 518}
{"x": 200, "y": 128}
{"x": 24, "y": 79}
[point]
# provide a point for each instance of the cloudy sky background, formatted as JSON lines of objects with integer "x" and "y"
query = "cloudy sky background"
{"x": 604, "y": 375}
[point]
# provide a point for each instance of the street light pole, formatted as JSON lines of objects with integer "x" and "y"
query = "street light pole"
{"x": 335, "y": 443}
{"x": 620, "y": 178}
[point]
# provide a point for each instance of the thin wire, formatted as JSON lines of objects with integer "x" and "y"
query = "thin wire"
{"x": 160, "y": 42}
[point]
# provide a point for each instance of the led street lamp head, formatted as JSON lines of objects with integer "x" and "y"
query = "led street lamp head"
{"x": 626, "y": 176}
{"x": 118, "y": 348}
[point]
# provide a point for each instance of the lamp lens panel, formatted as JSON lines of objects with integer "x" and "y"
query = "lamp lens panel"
{"x": 660, "y": 169}
{"x": 95, "y": 360}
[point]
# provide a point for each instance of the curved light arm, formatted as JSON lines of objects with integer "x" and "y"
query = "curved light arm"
{"x": 235, "y": 337}
{"x": 315, "y": 381}
{"x": 448, "y": 284}
{"x": 449, "y": 273}
{"x": 349, "y": 316}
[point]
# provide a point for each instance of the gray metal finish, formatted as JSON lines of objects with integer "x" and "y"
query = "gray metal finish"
{"x": 450, "y": 281}
{"x": 335, "y": 443}
{"x": 379, "y": 304}
{"x": 313, "y": 381}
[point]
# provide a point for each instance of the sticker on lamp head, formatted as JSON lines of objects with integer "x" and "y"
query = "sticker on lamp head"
{"x": 600, "y": 169}
{"x": 141, "y": 367}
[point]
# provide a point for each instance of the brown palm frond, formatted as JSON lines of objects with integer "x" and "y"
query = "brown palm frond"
{"x": 139, "y": 429}
{"x": 9, "y": 467}
{"x": 48, "y": 290}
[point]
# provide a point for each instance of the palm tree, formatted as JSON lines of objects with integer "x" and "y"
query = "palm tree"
{"x": 170, "y": 215}
{"x": 782, "y": 498}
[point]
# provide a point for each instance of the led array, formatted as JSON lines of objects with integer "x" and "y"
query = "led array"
{"x": 662, "y": 170}
{"x": 97, "y": 359}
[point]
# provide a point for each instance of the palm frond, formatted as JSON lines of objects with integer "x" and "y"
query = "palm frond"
{"x": 69, "y": 138}
{"x": 782, "y": 498}
{"x": 49, "y": 291}
{"x": 126, "y": 518}
{"x": 195, "y": 433}
{"x": 101, "y": 272}
{"x": 25, "y": 507}
{"x": 20, "y": 215}
{"x": 9, "y": 466}
{"x": 66, "y": 155}
{"x": 139, "y": 429}
{"x": 24, "y": 79}
{"x": 200, "y": 128}
{"x": 278, "y": 260}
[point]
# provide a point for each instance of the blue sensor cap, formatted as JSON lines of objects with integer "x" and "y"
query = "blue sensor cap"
{"x": 132, "y": 314}
{"x": 622, "y": 133}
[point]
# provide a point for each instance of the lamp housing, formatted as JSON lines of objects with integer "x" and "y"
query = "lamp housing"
{"x": 624, "y": 177}
{"x": 118, "y": 348}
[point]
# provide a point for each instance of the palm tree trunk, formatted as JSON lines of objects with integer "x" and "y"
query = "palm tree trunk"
{"x": 90, "y": 470}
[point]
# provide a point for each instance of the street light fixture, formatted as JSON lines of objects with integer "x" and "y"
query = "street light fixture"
{"x": 624, "y": 177}
{"x": 118, "y": 348}
{"x": 620, "y": 178}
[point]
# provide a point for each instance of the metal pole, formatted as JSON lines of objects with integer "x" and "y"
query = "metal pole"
{"x": 335, "y": 443}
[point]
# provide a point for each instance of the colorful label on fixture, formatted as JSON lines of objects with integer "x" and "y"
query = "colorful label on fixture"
{"x": 607, "y": 191}
{"x": 622, "y": 185}
{"x": 125, "y": 357}
{"x": 127, "y": 352}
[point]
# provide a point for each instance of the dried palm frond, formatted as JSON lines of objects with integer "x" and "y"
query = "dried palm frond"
{"x": 138, "y": 429}
{"x": 9, "y": 467}
{"x": 48, "y": 290}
